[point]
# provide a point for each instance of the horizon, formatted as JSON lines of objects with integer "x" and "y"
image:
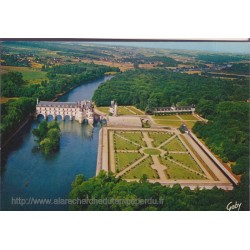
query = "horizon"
{"x": 236, "y": 47}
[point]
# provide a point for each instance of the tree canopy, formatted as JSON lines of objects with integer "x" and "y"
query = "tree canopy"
{"x": 147, "y": 89}
{"x": 48, "y": 135}
{"x": 108, "y": 193}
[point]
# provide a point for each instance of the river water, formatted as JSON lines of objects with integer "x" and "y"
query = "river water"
{"x": 27, "y": 175}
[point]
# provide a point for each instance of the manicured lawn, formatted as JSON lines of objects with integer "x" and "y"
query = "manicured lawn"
{"x": 169, "y": 123}
{"x": 136, "y": 110}
{"x": 190, "y": 124}
{"x": 187, "y": 160}
{"x": 124, "y": 111}
{"x": 120, "y": 143}
{"x": 188, "y": 117}
{"x": 141, "y": 169}
{"x": 176, "y": 172}
{"x": 152, "y": 151}
{"x": 103, "y": 109}
{"x": 29, "y": 74}
{"x": 165, "y": 117}
{"x": 134, "y": 137}
{"x": 175, "y": 145}
{"x": 159, "y": 137}
{"x": 123, "y": 160}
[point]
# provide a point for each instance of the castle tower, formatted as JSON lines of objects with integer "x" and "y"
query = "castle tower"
{"x": 115, "y": 109}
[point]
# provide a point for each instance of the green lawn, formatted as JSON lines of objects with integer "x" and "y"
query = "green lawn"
{"x": 169, "y": 123}
{"x": 134, "y": 137}
{"x": 188, "y": 117}
{"x": 159, "y": 137}
{"x": 152, "y": 151}
{"x": 175, "y": 145}
{"x": 123, "y": 160}
{"x": 190, "y": 124}
{"x": 137, "y": 111}
{"x": 166, "y": 117}
{"x": 103, "y": 109}
{"x": 187, "y": 160}
{"x": 143, "y": 168}
{"x": 120, "y": 143}
{"x": 176, "y": 172}
{"x": 123, "y": 111}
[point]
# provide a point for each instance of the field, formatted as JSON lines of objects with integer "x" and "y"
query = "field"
{"x": 157, "y": 154}
{"x": 29, "y": 74}
{"x": 6, "y": 99}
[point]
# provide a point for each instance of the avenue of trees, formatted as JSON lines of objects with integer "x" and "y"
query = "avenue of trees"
{"x": 48, "y": 136}
{"x": 105, "y": 188}
{"x": 147, "y": 89}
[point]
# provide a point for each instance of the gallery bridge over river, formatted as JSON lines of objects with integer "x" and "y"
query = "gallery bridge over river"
{"x": 81, "y": 110}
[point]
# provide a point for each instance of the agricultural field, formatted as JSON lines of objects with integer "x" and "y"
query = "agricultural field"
{"x": 29, "y": 74}
{"x": 6, "y": 99}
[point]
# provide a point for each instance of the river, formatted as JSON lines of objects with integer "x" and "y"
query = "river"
{"x": 27, "y": 175}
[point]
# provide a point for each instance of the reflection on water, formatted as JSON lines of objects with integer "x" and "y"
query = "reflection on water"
{"x": 26, "y": 172}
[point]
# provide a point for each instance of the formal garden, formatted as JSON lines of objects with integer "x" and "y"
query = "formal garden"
{"x": 143, "y": 153}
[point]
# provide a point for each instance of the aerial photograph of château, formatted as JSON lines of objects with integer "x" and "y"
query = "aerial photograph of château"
{"x": 119, "y": 125}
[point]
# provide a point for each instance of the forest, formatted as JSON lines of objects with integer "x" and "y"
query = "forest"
{"x": 227, "y": 134}
{"x": 238, "y": 68}
{"x": 223, "y": 102}
{"x": 107, "y": 188}
{"x": 13, "y": 113}
{"x": 147, "y": 89}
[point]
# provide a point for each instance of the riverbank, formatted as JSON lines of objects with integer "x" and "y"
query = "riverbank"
{"x": 20, "y": 127}
{"x": 30, "y": 116}
{"x": 26, "y": 172}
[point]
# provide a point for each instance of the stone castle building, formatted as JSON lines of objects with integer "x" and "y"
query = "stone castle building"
{"x": 81, "y": 110}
